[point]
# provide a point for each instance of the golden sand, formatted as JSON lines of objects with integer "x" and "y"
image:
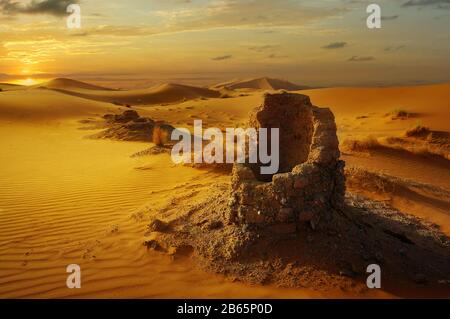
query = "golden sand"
{"x": 65, "y": 199}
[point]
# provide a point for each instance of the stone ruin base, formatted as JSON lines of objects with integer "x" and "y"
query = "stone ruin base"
{"x": 310, "y": 184}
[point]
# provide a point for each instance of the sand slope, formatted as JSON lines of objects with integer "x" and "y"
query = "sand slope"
{"x": 44, "y": 105}
{"x": 429, "y": 104}
{"x": 11, "y": 87}
{"x": 65, "y": 199}
{"x": 260, "y": 84}
{"x": 69, "y": 84}
{"x": 161, "y": 94}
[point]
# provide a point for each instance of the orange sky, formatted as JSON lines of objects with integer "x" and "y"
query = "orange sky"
{"x": 309, "y": 42}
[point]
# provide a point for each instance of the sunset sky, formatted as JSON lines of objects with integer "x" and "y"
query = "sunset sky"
{"x": 309, "y": 42}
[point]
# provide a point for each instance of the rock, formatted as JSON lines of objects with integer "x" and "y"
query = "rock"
{"x": 217, "y": 224}
{"x": 129, "y": 126}
{"x": 283, "y": 229}
{"x": 126, "y": 116}
{"x": 285, "y": 214}
{"x": 310, "y": 181}
{"x": 379, "y": 257}
{"x": 158, "y": 226}
{"x": 402, "y": 251}
{"x": 180, "y": 251}
{"x": 305, "y": 216}
{"x": 300, "y": 183}
{"x": 153, "y": 244}
{"x": 346, "y": 273}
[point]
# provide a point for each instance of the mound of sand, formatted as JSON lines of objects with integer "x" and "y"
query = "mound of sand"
{"x": 47, "y": 105}
{"x": 10, "y": 87}
{"x": 363, "y": 233}
{"x": 69, "y": 84}
{"x": 161, "y": 94}
{"x": 260, "y": 84}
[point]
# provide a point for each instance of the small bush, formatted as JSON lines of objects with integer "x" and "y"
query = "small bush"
{"x": 418, "y": 130}
{"x": 159, "y": 136}
{"x": 363, "y": 145}
{"x": 399, "y": 114}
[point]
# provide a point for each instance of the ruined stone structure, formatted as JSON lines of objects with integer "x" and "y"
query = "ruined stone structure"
{"x": 310, "y": 183}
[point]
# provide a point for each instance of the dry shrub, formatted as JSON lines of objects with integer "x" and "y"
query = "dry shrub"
{"x": 399, "y": 114}
{"x": 362, "y": 145}
{"x": 381, "y": 183}
{"x": 422, "y": 146}
{"x": 420, "y": 140}
{"x": 418, "y": 131}
{"x": 358, "y": 178}
{"x": 159, "y": 136}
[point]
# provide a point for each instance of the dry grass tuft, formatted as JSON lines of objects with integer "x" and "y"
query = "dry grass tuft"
{"x": 418, "y": 131}
{"x": 382, "y": 183}
{"x": 358, "y": 178}
{"x": 418, "y": 140}
{"x": 399, "y": 114}
{"x": 363, "y": 145}
{"x": 159, "y": 136}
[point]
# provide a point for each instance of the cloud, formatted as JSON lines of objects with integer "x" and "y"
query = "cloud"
{"x": 356, "y": 58}
{"x": 79, "y": 34}
{"x": 246, "y": 13}
{"x": 51, "y": 7}
{"x": 393, "y": 17}
{"x": 263, "y": 48}
{"x": 411, "y": 3}
{"x": 276, "y": 56}
{"x": 335, "y": 45}
{"x": 118, "y": 31}
{"x": 394, "y": 48}
{"x": 222, "y": 57}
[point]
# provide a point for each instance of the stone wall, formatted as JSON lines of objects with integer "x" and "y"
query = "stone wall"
{"x": 310, "y": 183}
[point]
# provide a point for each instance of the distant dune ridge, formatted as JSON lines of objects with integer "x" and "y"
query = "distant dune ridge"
{"x": 64, "y": 83}
{"x": 167, "y": 93}
{"x": 164, "y": 93}
{"x": 263, "y": 83}
{"x": 10, "y": 87}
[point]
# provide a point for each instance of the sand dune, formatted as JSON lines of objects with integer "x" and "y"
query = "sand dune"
{"x": 44, "y": 105}
{"x": 66, "y": 199}
{"x": 11, "y": 87}
{"x": 260, "y": 84}
{"x": 69, "y": 84}
{"x": 161, "y": 94}
{"x": 363, "y": 110}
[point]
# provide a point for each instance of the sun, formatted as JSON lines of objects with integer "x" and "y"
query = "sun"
{"x": 28, "y": 81}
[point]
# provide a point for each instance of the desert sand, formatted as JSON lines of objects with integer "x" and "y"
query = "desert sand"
{"x": 68, "y": 199}
{"x": 263, "y": 83}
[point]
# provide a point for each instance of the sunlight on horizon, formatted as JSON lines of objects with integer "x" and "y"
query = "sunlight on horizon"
{"x": 28, "y": 81}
